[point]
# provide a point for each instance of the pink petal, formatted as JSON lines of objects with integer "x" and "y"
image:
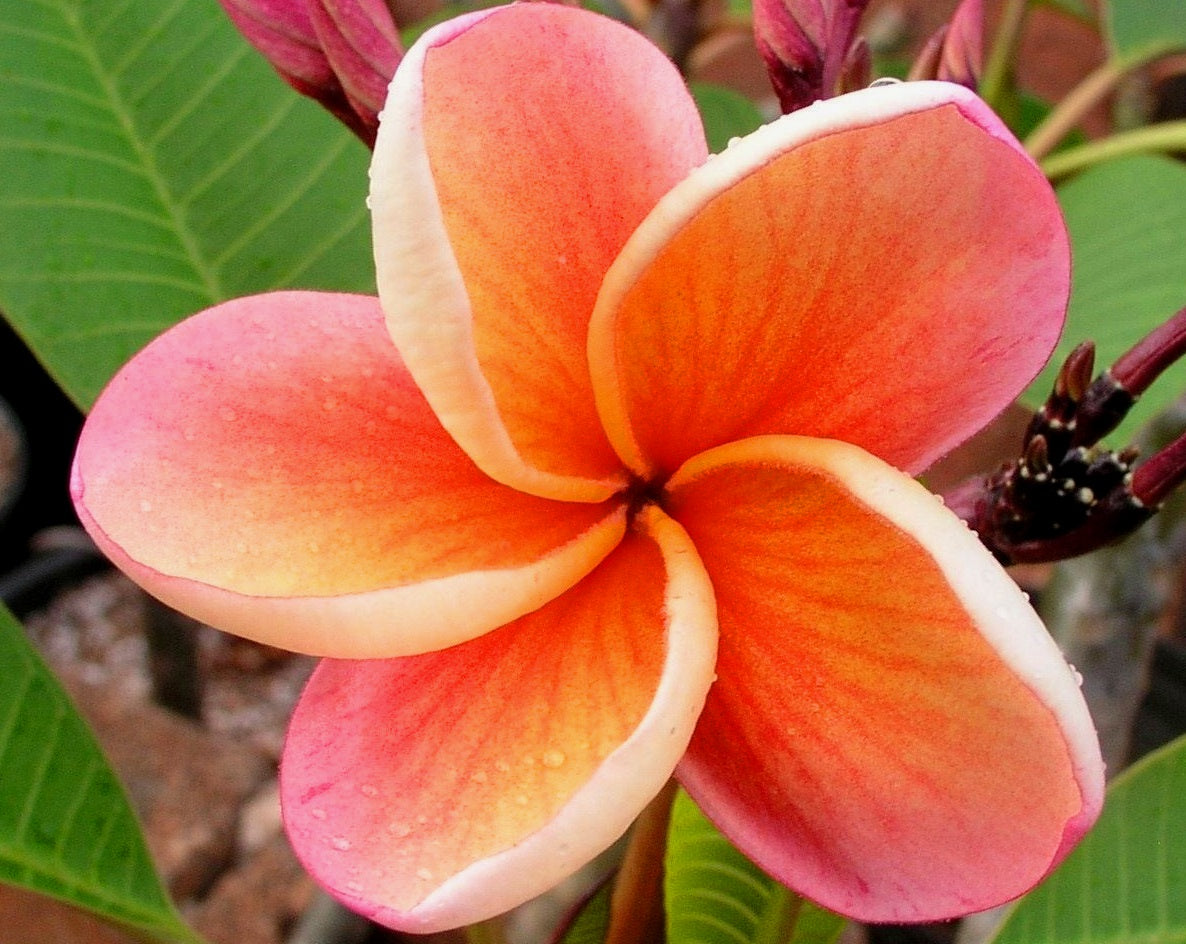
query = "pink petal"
{"x": 520, "y": 146}
{"x": 887, "y": 268}
{"x": 438, "y": 790}
{"x": 268, "y": 466}
{"x": 894, "y": 734}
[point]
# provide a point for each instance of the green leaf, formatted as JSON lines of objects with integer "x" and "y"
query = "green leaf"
{"x": 1135, "y": 25}
{"x": 152, "y": 164}
{"x": 726, "y": 114}
{"x": 1126, "y": 882}
{"x": 715, "y": 895}
{"x": 66, "y": 829}
{"x": 1126, "y": 218}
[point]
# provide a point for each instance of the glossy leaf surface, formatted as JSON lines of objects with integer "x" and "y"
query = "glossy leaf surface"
{"x": 151, "y": 165}
{"x": 66, "y": 829}
{"x": 1126, "y": 882}
{"x": 714, "y": 895}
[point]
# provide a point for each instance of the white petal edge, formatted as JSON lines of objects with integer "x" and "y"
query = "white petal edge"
{"x": 997, "y": 605}
{"x": 416, "y": 271}
{"x": 743, "y": 157}
{"x": 627, "y": 780}
{"x": 378, "y": 624}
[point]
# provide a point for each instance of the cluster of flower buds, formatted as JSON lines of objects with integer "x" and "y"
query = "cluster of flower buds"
{"x": 340, "y": 52}
{"x": 1067, "y": 494}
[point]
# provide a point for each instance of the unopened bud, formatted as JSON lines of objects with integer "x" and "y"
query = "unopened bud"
{"x": 340, "y": 52}
{"x": 806, "y": 45}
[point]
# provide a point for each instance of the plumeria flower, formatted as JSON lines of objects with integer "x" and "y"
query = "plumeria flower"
{"x": 635, "y": 495}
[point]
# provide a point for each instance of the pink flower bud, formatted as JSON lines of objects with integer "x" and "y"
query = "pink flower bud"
{"x": 340, "y": 52}
{"x": 955, "y": 53}
{"x": 806, "y": 46}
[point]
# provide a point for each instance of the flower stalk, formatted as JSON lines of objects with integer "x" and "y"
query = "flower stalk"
{"x": 1086, "y": 95}
{"x": 1168, "y": 136}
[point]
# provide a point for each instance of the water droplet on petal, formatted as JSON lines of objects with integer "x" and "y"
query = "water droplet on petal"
{"x": 318, "y": 813}
{"x": 424, "y": 875}
{"x": 502, "y": 766}
{"x": 399, "y": 829}
{"x": 479, "y": 776}
{"x": 145, "y": 506}
{"x": 554, "y": 759}
{"x": 227, "y": 414}
{"x": 521, "y": 799}
{"x": 340, "y": 843}
{"x": 368, "y": 790}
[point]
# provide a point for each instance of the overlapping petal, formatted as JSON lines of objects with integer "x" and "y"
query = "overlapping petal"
{"x": 519, "y": 149}
{"x": 845, "y": 272}
{"x": 476, "y": 777}
{"x": 893, "y": 733}
{"x": 270, "y": 467}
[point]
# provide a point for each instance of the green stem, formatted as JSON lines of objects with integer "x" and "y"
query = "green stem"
{"x": 1159, "y": 138}
{"x": 998, "y": 70}
{"x": 1086, "y": 95}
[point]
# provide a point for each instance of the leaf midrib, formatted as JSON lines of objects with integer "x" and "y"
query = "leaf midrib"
{"x": 177, "y": 221}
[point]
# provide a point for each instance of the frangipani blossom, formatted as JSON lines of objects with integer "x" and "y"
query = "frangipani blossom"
{"x": 632, "y": 493}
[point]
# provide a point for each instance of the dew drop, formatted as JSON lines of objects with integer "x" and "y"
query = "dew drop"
{"x": 1077, "y": 676}
{"x": 227, "y": 414}
{"x": 479, "y": 777}
{"x": 421, "y": 820}
{"x": 521, "y": 799}
{"x": 368, "y": 790}
{"x": 399, "y": 829}
{"x": 340, "y": 843}
{"x": 502, "y": 767}
{"x": 424, "y": 875}
{"x": 216, "y": 484}
{"x": 939, "y": 498}
{"x": 318, "y": 813}
{"x": 353, "y": 887}
{"x": 554, "y": 759}
{"x": 733, "y": 142}
{"x": 145, "y": 505}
